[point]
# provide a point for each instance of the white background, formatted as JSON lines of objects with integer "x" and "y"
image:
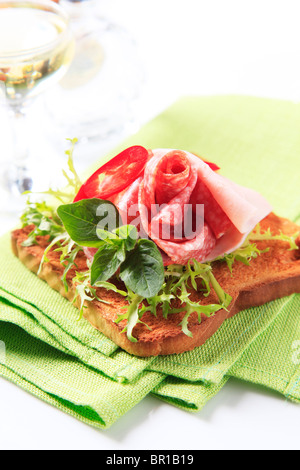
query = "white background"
{"x": 188, "y": 47}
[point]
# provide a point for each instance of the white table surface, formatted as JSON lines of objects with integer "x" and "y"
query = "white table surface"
{"x": 189, "y": 47}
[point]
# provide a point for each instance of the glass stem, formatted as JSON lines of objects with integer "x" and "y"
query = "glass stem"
{"x": 19, "y": 166}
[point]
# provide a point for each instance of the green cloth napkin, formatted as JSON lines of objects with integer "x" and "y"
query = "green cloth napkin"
{"x": 64, "y": 361}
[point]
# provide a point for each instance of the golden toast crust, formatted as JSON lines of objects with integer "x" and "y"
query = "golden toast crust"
{"x": 272, "y": 275}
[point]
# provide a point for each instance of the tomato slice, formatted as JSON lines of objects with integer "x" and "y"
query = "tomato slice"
{"x": 116, "y": 175}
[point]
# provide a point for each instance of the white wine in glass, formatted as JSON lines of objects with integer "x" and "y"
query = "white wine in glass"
{"x": 36, "y": 48}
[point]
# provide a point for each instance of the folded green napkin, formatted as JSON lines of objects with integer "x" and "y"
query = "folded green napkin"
{"x": 67, "y": 363}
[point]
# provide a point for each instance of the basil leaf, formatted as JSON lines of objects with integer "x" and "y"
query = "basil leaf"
{"x": 108, "y": 237}
{"x": 82, "y": 219}
{"x": 129, "y": 234}
{"x": 126, "y": 235}
{"x": 106, "y": 262}
{"x": 143, "y": 271}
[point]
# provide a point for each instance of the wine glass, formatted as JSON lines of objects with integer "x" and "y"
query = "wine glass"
{"x": 36, "y": 47}
{"x": 101, "y": 89}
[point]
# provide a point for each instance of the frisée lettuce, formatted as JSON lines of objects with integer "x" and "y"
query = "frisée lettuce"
{"x": 123, "y": 258}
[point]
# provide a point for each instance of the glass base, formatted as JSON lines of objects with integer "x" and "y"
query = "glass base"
{"x": 16, "y": 180}
{"x": 37, "y": 175}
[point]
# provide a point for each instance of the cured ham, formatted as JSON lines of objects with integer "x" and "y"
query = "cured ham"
{"x": 188, "y": 209}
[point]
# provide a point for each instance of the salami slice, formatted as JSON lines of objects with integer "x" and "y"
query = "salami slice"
{"x": 172, "y": 180}
{"x": 179, "y": 252}
{"x": 127, "y": 202}
{"x": 173, "y": 176}
{"x": 176, "y": 179}
{"x": 198, "y": 248}
{"x": 214, "y": 214}
{"x": 181, "y": 203}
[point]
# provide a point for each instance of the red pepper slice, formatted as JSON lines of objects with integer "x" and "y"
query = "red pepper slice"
{"x": 116, "y": 175}
{"x": 213, "y": 166}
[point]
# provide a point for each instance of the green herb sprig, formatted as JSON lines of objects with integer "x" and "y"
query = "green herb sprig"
{"x": 258, "y": 235}
{"x": 138, "y": 262}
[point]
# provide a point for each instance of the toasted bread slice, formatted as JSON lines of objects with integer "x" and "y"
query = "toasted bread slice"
{"x": 272, "y": 275}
